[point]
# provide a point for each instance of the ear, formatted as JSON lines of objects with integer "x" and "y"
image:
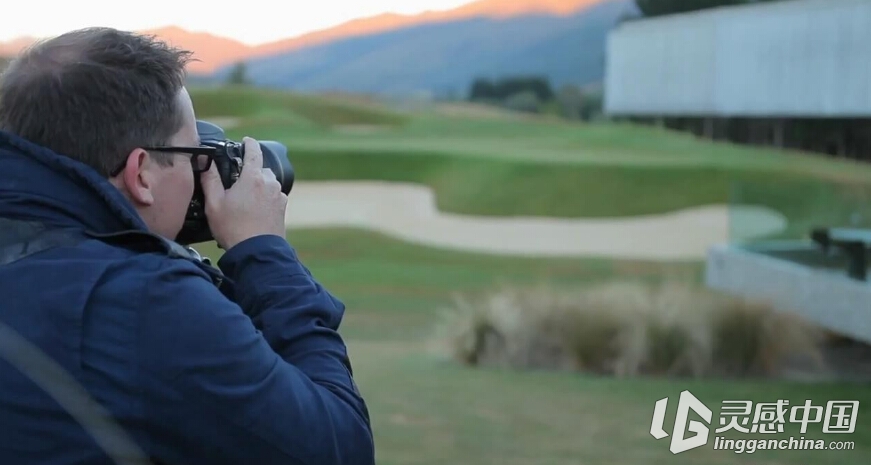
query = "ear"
{"x": 138, "y": 177}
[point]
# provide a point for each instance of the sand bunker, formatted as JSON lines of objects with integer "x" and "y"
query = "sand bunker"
{"x": 408, "y": 212}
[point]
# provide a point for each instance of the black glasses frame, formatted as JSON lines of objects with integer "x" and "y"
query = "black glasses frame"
{"x": 192, "y": 151}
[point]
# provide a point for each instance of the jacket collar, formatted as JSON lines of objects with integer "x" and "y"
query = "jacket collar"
{"x": 40, "y": 185}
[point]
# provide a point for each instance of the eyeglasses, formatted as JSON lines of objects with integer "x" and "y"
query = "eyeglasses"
{"x": 201, "y": 157}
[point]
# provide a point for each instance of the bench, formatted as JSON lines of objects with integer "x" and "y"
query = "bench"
{"x": 855, "y": 243}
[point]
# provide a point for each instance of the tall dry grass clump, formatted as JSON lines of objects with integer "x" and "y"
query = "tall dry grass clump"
{"x": 626, "y": 329}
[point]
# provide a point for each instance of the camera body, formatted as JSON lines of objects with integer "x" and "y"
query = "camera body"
{"x": 229, "y": 158}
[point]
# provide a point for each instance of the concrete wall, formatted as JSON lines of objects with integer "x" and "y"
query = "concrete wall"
{"x": 830, "y": 300}
{"x": 791, "y": 58}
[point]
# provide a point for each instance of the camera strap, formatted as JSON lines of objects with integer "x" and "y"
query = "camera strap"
{"x": 21, "y": 238}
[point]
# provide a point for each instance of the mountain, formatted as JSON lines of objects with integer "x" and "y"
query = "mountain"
{"x": 497, "y": 9}
{"x": 11, "y": 48}
{"x": 446, "y": 55}
{"x": 213, "y": 52}
{"x": 210, "y": 51}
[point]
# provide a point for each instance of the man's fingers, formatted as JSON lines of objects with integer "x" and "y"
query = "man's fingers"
{"x": 213, "y": 188}
{"x": 268, "y": 174}
{"x": 253, "y": 156}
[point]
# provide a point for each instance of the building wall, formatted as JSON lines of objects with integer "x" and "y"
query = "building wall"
{"x": 795, "y": 58}
{"x": 819, "y": 296}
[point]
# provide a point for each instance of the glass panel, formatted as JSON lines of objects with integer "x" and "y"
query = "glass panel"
{"x": 789, "y": 208}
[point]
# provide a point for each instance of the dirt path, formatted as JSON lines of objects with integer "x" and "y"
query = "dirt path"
{"x": 408, "y": 212}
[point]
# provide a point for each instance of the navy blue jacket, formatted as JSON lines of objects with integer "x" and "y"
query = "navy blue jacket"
{"x": 249, "y": 372}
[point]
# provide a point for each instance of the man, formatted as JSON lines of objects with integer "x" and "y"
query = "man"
{"x": 114, "y": 350}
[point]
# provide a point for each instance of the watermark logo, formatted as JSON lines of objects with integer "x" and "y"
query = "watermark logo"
{"x": 679, "y": 442}
{"x": 741, "y": 416}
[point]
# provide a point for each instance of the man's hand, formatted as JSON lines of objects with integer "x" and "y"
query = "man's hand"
{"x": 253, "y": 206}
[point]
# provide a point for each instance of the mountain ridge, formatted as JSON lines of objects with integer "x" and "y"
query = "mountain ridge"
{"x": 445, "y": 57}
{"x": 214, "y": 52}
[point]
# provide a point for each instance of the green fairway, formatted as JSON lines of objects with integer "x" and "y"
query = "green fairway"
{"x": 428, "y": 409}
{"x": 319, "y": 124}
{"x": 541, "y": 167}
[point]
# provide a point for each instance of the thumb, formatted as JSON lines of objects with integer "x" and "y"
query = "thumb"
{"x": 213, "y": 188}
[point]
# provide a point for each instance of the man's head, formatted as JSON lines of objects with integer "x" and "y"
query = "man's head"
{"x": 103, "y": 96}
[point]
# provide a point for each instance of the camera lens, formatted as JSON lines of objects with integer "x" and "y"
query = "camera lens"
{"x": 275, "y": 158}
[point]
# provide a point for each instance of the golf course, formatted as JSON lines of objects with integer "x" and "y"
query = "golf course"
{"x": 400, "y": 208}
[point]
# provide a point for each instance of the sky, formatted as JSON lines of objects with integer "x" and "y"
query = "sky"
{"x": 249, "y": 21}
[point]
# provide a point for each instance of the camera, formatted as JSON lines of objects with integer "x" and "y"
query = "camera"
{"x": 228, "y": 158}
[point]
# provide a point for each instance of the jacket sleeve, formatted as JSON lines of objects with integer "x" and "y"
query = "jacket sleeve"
{"x": 263, "y": 380}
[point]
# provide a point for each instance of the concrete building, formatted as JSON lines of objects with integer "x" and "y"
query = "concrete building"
{"x": 794, "y": 73}
{"x": 799, "y": 58}
{"x": 764, "y": 68}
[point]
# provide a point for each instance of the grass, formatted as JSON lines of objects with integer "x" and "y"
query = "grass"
{"x": 541, "y": 167}
{"x": 287, "y": 109}
{"x": 430, "y": 412}
{"x": 411, "y": 129}
{"x": 428, "y": 409}
{"x": 541, "y": 140}
{"x": 397, "y": 289}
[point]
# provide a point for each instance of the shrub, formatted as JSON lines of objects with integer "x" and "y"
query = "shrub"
{"x": 524, "y": 101}
{"x": 627, "y": 329}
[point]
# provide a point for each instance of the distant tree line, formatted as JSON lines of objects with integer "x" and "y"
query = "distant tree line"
{"x": 535, "y": 94}
{"x": 485, "y": 89}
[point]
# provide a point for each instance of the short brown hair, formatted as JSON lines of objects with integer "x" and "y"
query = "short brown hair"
{"x": 94, "y": 94}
